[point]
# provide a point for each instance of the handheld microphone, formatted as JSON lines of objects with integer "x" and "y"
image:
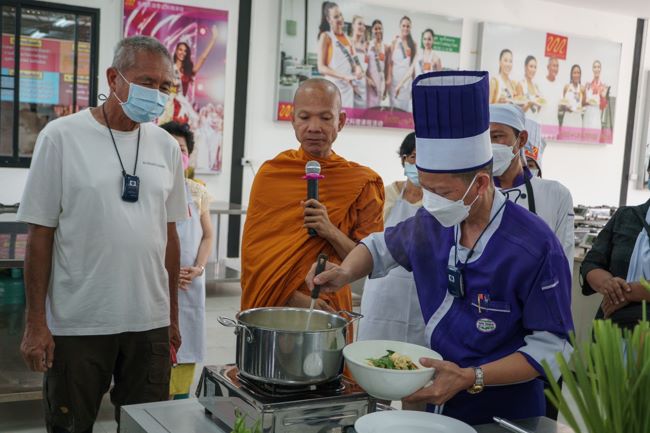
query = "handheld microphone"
{"x": 312, "y": 175}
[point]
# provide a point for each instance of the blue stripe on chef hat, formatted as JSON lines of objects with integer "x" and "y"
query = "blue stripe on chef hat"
{"x": 452, "y": 121}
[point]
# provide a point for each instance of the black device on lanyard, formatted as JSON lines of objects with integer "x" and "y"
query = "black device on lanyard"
{"x": 455, "y": 283}
{"x": 130, "y": 183}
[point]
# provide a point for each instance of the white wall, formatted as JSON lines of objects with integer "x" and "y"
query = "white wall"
{"x": 591, "y": 172}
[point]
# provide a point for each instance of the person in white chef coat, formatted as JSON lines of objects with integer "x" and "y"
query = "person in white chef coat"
{"x": 548, "y": 199}
{"x": 196, "y": 238}
{"x": 390, "y": 306}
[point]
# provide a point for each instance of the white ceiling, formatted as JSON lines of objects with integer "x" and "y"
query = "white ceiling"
{"x": 635, "y": 8}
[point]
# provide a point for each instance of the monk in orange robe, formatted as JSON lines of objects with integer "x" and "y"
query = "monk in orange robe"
{"x": 277, "y": 251}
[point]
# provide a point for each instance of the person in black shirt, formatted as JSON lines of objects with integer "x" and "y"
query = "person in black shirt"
{"x": 619, "y": 248}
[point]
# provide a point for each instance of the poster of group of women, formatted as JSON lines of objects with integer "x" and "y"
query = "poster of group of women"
{"x": 567, "y": 83}
{"x": 196, "y": 39}
{"x": 371, "y": 53}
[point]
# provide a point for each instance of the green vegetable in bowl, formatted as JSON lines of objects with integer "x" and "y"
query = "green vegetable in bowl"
{"x": 393, "y": 361}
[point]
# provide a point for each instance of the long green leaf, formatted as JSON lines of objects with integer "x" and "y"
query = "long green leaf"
{"x": 609, "y": 379}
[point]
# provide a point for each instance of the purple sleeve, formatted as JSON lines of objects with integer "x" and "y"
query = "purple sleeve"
{"x": 547, "y": 306}
{"x": 399, "y": 242}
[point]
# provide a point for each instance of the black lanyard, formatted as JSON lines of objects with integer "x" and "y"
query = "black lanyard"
{"x": 531, "y": 196}
{"x": 471, "y": 252}
{"x": 137, "y": 149}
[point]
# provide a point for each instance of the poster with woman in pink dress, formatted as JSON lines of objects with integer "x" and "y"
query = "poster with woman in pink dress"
{"x": 196, "y": 40}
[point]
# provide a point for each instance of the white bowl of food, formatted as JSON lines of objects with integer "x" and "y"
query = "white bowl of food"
{"x": 389, "y": 370}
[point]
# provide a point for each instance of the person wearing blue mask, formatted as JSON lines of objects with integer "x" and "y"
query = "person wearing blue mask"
{"x": 102, "y": 199}
{"x": 548, "y": 199}
{"x": 493, "y": 283}
{"x": 389, "y": 305}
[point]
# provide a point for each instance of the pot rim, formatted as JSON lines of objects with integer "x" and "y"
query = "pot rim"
{"x": 263, "y": 328}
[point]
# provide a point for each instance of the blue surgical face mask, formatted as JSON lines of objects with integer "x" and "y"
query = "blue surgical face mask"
{"x": 411, "y": 172}
{"x": 143, "y": 104}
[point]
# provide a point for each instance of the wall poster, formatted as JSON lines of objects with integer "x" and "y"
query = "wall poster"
{"x": 196, "y": 39}
{"x": 371, "y": 53}
{"x": 567, "y": 83}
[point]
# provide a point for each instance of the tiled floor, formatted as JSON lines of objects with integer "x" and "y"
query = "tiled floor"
{"x": 222, "y": 300}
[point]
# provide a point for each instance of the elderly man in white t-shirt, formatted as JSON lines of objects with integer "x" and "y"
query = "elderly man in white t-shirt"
{"x": 104, "y": 192}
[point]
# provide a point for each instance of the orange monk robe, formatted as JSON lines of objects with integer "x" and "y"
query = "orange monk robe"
{"x": 277, "y": 252}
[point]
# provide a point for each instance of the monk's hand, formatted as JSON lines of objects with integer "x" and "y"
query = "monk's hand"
{"x": 330, "y": 280}
{"x": 315, "y": 217}
{"x": 299, "y": 299}
{"x": 448, "y": 380}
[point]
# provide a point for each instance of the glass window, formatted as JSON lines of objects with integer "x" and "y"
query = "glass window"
{"x": 56, "y": 61}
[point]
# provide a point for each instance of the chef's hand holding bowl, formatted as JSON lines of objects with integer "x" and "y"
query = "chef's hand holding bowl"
{"x": 449, "y": 380}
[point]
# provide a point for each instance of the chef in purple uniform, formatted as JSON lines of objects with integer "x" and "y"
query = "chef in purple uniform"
{"x": 492, "y": 279}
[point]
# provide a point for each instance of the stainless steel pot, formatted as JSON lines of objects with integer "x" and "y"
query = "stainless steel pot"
{"x": 274, "y": 346}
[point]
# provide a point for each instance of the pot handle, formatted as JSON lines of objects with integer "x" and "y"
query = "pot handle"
{"x": 229, "y": 323}
{"x": 352, "y": 316}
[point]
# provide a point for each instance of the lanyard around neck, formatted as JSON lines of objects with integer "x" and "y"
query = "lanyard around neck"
{"x": 471, "y": 252}
{"x": 137, "y": 149}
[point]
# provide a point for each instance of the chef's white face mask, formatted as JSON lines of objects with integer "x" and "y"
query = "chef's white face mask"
{"x": 447, "y": 212}
{"x": 502, "y": 158}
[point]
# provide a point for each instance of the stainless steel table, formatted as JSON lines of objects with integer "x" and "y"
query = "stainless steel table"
{"x": 177, "y": 416}
{"x": 221, "y": 271}
{"x": 534, "y": 425}
{"x": 188, "y": 416}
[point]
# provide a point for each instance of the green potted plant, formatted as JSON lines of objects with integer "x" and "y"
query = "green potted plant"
{"x": 609, "y": 380}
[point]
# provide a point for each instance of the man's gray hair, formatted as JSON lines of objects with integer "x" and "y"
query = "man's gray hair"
{"x": 127, "y": 48}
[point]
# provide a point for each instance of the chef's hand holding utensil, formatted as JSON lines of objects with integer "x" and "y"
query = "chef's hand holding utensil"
{"x": 320, "y": 267}
{"x": 330, "y": 280}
